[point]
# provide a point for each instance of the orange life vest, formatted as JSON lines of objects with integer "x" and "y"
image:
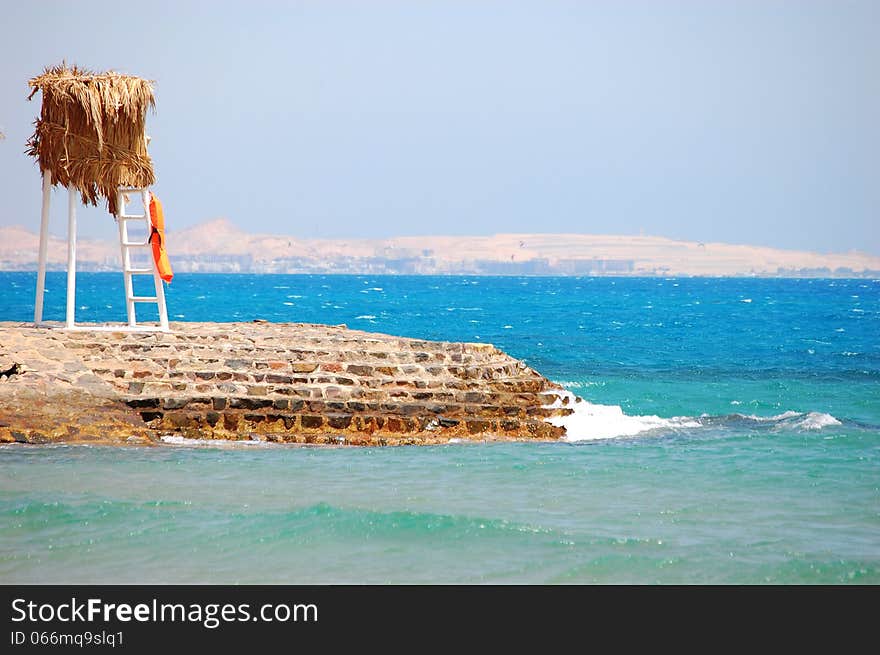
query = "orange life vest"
{"x": 157, "y": 239}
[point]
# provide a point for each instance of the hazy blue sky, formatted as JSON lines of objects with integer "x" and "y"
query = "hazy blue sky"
{"x": 746, "y": 122}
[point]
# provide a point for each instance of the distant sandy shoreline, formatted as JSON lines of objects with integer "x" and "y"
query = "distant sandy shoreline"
{"x": 219, "y": 246}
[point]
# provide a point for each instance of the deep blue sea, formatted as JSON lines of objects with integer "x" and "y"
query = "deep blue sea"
{"x": 731, "y": 434}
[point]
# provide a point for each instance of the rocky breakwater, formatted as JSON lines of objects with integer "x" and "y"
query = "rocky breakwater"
{"x": 296, "y": 383}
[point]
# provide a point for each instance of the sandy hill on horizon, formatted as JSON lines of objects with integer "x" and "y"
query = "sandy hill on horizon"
{"x": 220, "y": 245}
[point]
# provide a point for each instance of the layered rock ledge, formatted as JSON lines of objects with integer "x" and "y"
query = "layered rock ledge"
{"x": 281, "y": 382}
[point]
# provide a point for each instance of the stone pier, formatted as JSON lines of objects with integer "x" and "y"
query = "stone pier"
{"x": 280, "y": 382}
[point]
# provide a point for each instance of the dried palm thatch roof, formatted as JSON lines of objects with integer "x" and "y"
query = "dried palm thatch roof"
{"x": 90, "y": 134}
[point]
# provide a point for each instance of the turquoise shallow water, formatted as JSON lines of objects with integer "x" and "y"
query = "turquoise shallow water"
{"x": 772, "y": 475}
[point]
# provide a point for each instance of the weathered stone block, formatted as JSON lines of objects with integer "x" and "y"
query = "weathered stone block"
{"x": 339, "y": 421}
{"x": 175, "y": 403}
{"x": 335, "y": 392}
{"x": 249, "y": 403}
{"x": 311, "y": 422}
{"x": 395, "y": 424}
{"x": 359, "y": 369}
{"x": 303, "y": 367}
{"x": 180, "y": 420}
{"x": 143, "y": 403}
{"x": 149, "y": 417}
{"x": 478, "y": 426}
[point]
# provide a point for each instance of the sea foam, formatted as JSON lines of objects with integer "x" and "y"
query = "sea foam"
{"x": 589, "y": 421}
{"x": 792, "y": 419}
{"x": 817, "y": 421}
{"x": 178, "y": 440}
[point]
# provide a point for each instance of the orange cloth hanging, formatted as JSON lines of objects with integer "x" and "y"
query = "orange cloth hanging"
{"x": 157, "y": 239}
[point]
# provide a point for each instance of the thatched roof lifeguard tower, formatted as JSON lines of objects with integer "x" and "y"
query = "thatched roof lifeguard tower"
{"x": 90, "y": 138}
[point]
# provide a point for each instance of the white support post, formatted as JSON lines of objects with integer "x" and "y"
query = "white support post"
{"x": 160, "y": 295}
{"x": 71, "y": 256}
{"x": 44, "y": 239}
{"x": 126, "y": 258}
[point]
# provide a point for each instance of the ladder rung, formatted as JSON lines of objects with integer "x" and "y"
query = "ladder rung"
{"x": 144, "y": 299}
{"x": 140, "y": 271}
{"x": 136, "y": 244}
{"x": 132, "y": 217}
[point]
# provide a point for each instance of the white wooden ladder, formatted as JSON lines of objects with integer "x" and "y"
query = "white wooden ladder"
{"x": 123, "y": 218}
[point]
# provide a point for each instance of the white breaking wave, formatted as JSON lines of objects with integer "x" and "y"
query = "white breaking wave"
{"x": 589, "y": 421}
{"x": 805, "y": 420}
{"x": 177, "y": 440}
{"x": 766, "y": 419}
{"x": 573, "y": 384}
{"x": 817, "y": 421}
